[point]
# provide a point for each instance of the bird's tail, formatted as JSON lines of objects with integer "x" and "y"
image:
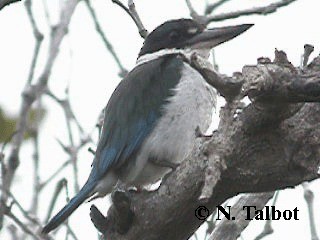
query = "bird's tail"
{"x": 65, "y": 212}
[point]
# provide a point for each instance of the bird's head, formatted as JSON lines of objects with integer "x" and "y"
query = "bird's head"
{"x": 188, "y": 35}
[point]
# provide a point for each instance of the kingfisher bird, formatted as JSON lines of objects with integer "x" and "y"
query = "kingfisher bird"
{"x": 153, "y": 115}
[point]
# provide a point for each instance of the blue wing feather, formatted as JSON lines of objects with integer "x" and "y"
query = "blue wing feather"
{"x": 130, "y": 116}
{"x": 133, "y": 111}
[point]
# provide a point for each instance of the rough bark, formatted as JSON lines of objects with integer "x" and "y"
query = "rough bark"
{"x": 272, "y": 144}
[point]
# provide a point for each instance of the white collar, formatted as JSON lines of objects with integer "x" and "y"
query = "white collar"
{"x": 152, "y": 56}
{"x": 187, "y": 53}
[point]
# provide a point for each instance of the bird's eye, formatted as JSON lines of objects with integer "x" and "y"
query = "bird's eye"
{"x": 174, "y": 35}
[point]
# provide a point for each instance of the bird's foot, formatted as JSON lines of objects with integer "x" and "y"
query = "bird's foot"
{"x": 98, "y": 219}
{"x": 199, "y": 134}
{"x": 165, "y": 163}
{"x": 119, "y": 217}
{"x": 121, "y": 210}
{"x": 137, "y": 189}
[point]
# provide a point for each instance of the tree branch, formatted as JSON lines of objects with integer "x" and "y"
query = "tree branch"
{"x": 38, "y": 37}
{"x": 123, "y": 72}
{"x": 309, "y": 196}
{"x": 211, "y": 7}
{"x": 282, "y": 138}
{"x": 206, "y": 19}
{"x": 30, "y": 94}
{"x": 131, "y": 10}
{"x": 265, "y": 10}
{"x": 267, "y": 230}
{"x": 230, "y": 230}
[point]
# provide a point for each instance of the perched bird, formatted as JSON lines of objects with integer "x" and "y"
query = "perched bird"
{"x": 151, "y": 118}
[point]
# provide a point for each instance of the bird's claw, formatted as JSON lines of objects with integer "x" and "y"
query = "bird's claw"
{"x": 199, "y": 134}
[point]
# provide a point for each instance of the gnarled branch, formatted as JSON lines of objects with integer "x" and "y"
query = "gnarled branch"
{"x": 270, "y": 145}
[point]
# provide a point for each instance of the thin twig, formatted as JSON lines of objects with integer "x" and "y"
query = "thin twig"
{"x": 46, "y": 13}
{"x": 214, "y": 60}
{"x": 13, "y": 230}
{"x": 211, "y": 7}
{"x": 66, "y": 106}
{"x": 24, "y": 212}
{"x": 233, "y": 229}
{"x": 193, "y": 13}
{"x": 309, "y": 196}
{"x": 36, "y": 178}
{"x": 54, "y": 198}
{"x": 257, "y": 10}
{"x": 38, "y": 37}
{"x": 211, "y": 225}
{"x": 74, "y": 160}
{"x": 123, "y": 72}
{"x": 66, "y": 163}
{"x": 134, "y": 15}
{"x": 30, "y": 94}
{"x": 142, "y": 30}
{"x": 23, "y": 226}
{"x": 69, "y": 229}
{"x": 267, "y": 230}
{"x": 71, "y": 232}
{"x": 36, "y": 159}
{"x": 72, "y": 149}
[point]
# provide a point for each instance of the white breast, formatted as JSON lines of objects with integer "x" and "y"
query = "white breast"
{"x": 175, "y": 134}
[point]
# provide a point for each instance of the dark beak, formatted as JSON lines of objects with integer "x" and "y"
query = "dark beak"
{"x": 212, "y": 37}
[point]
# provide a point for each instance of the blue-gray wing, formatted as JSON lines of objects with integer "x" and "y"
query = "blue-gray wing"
{"x": 133, "y": 110}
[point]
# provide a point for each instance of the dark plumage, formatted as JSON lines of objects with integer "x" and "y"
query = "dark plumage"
{"x": 130, "y": 115}
{"x": 177, "y": 34}
{"x": 151, "y": 117}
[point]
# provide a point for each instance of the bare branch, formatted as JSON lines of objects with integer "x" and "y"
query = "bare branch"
{"x": 211, "y": 7}
{"x": 193, "y": 13}
{"x": 298, "y": 88}
{"x": 24, "y": 212}
{"x": 257, "y": 10}
{"x": 258, "y": 137}
{"x": 72, "y": 149}
{"x": 20, "y": 224}
{"x": 123, "y": 72}
{"x": 71, "y": 232}
{"x": 36, "y": 175}
{"x": 38, "y": 37}
{"x": 230, "y": 230}
{"x": 65, "y": 164}
{"x": 267, "y": 230}
{"x": 309, "y": 196}
{"x": 132, "y": 8}
{"x": 134, "y": 15}
{"x": 227, "y": 87}
{"x": 66, "y": 106}
{"x": 205, "y": 19}
{"x": 30, "y": 94}
{"x": 34, "y": 129}
{"x": 13, "y": 230}
{"x": 55, "y": 195}
{"x": 46, "y": 13}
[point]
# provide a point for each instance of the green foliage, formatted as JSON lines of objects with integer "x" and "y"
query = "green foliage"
{"x": 8, "y": 123}
{"x": 7, "y": 126}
